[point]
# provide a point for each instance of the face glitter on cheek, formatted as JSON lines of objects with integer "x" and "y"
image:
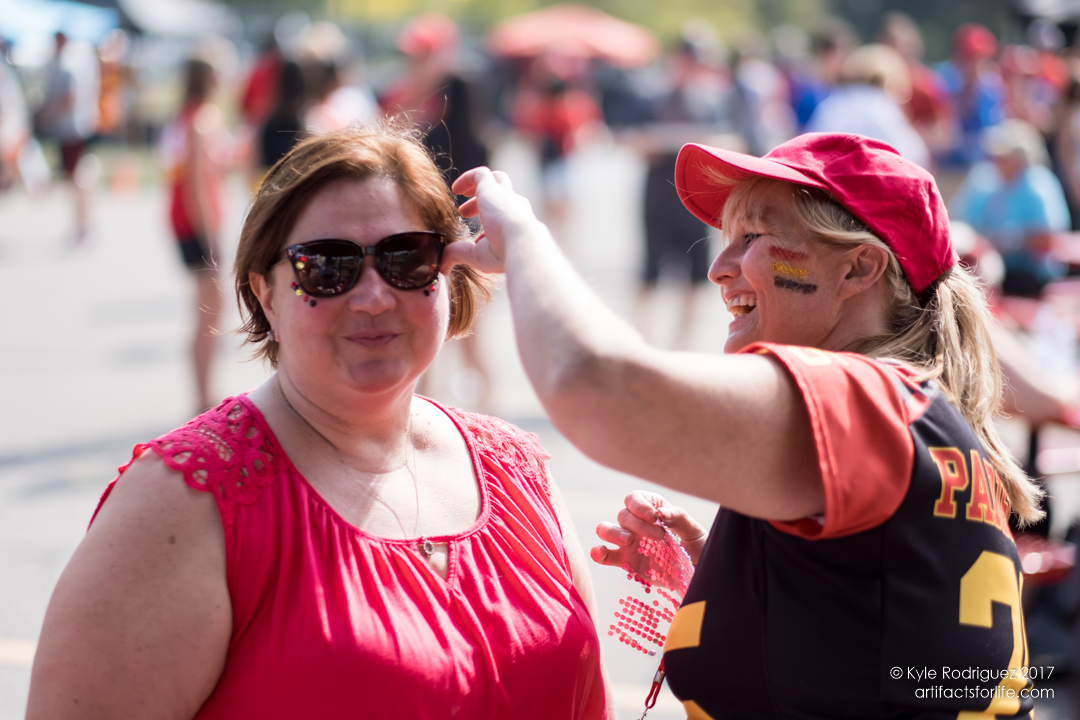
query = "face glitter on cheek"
{"x": 781, "y": 268}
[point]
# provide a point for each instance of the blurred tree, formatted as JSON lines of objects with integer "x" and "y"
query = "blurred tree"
{"x": 936, "y": 18}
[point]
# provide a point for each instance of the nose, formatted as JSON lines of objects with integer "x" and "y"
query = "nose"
{"x": 371, "y": 294}
{"x": 726, "y": 265}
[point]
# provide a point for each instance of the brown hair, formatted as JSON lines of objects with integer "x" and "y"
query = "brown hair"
{"x": 199, "y": 78}
{"x": 945, "y": 334}
{"x": 357, "y": 153}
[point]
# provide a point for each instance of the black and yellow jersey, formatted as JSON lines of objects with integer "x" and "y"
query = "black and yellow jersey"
{"x": 903, "y": 601}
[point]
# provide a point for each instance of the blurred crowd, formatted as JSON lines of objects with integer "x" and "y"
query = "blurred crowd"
{"x": 998, "y": 124}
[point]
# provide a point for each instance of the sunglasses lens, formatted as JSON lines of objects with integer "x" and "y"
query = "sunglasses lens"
{"x": 410, "y": 260}
{"x": 326, "y": 268}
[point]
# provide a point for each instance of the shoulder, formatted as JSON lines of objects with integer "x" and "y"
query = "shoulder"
{"x": 492, "y": 433}
{"x": 503, "y": 443}
{"x": 847, "y": 382}
{"x": 226, "y": 451}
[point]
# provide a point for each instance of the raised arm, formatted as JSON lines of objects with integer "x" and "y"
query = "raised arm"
{"x": 732, "y": 429}
{"x": 139, "y": 623}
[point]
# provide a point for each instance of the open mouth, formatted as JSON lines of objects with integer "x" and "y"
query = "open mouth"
{"x": 741, "y": 305}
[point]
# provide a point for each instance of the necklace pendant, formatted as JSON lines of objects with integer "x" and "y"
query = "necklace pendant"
{"x": 427, "y": 548}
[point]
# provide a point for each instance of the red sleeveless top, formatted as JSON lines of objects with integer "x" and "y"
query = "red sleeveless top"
{"x": 329, "y": 621}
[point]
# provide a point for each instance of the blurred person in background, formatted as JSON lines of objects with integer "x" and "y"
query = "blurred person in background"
{"x": 831, "y": 42}
{"x": 692, "y": 102}
{"x": 434, "y": 95}
{"x": 69, "y": 115}
{"x": 196, "y": 147}
{"x": 1029, "y": 95}
{"x": 284, "y": 127}
{"x": 258, "y": 98}
{"x": 929, "y": 108}
{"x": 16, "y": 131}
{"x": 554, "y": 106}
{"x": 331, "y": 545}
{"x": 338, "y": 97}
{"x": 874, "y": 84}
{"x": 1067, "y": 147}
{"x": 1017, "y": 203}
{"x": 973, "y": 81}
{"x": 114, "y": 103}
{"x": 765, "y": 115}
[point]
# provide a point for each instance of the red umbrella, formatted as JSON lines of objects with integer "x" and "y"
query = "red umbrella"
{"x": 574, "y": 30}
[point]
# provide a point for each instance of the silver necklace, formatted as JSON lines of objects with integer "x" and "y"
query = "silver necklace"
{"x": 426, "y": 547}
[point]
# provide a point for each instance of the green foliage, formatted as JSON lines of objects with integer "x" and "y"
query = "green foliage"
{"x": 731, "y": 18}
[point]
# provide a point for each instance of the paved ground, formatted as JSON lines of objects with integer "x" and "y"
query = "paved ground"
{"x": 93, "y": 360}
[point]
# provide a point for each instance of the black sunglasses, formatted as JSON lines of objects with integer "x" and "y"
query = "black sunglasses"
{"x": 406, "y": 261}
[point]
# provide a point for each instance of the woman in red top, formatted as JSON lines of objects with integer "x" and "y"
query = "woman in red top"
{"x": 863, "y": 535}
{"x": 331, "y": 545}
{"x": 195, "y": 146}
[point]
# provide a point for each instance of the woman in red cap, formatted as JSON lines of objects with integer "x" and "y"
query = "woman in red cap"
{"x": 861, "y": 564}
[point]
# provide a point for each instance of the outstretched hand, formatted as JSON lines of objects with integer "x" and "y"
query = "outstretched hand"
{"x": 504, "y": 216}
{"x": 641, "y": 516}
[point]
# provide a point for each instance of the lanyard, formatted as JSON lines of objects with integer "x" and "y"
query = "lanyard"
{"x": 654, "y": 691}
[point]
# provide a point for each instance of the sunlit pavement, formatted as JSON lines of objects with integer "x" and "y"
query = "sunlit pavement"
{"x": 93, "y": 359}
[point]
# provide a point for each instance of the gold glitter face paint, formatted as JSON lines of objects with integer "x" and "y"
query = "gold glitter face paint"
{"x": 790, "y": 270}
{"x": 788, "y": 275}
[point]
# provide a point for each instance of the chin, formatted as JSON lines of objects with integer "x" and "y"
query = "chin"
{"x": 737, "y": 342}
{"x": 377, "y": 378}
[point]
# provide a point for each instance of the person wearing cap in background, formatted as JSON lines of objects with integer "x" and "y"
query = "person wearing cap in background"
{"x": 1017, "y": 203}
{"x": 974, "y": 82}
{"x": 847, "y": 435}
{"x": 874, "y": 83}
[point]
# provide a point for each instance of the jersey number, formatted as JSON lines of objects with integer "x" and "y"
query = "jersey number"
{"x": 993, "y": 578}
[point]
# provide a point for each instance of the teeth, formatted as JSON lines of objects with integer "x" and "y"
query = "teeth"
{"x": 740, "y": 305}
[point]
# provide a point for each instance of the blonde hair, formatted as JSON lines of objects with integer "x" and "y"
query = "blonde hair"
{"x": 946, "y": 336}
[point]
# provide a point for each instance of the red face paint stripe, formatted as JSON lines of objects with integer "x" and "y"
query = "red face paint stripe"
{"x": 790, "y": 255}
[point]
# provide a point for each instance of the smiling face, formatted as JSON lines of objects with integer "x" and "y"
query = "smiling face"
{"x": 779, "y": 283}
{"x": 373, "y": 338}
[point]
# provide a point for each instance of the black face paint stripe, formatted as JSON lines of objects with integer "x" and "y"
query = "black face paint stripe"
{"x": 787, "y": 284}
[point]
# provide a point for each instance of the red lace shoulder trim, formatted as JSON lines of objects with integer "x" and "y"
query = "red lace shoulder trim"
{"x": 508, "y": 444}
{"x": 223, "y": 451}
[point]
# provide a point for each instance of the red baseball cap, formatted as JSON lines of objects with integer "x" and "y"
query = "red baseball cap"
{"x": 972, "y": 40}
{"x": 894, "y": 197}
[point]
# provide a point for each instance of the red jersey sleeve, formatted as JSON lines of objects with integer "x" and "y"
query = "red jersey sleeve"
{"x": 859, "y": 413}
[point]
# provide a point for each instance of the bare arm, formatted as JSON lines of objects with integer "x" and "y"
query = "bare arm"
{"x": 139, "y": 623}
{"x": 732, "y": 429}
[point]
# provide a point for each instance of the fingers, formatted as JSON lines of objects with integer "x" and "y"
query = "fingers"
{"x": 468, "y": 180}
{"x": 611, "y": 533}
{"x": 644, "y": 504}
{"x": 469, "y": 208}
{"x": 475, "y": 253}
{"x": 634, "y": 524}
{"x": 681, "y": 524}
{"x": 603, "y": 556}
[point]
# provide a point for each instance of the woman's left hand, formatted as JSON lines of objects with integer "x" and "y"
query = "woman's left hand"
{"x": 504, "y": 216}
